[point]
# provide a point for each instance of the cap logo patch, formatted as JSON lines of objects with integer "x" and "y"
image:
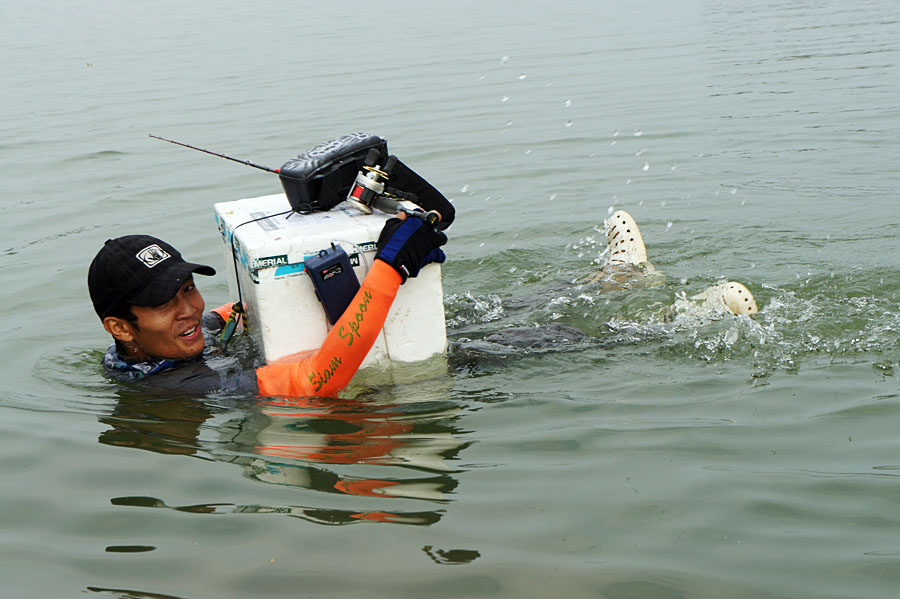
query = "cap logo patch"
{"x": 152, "y": 255}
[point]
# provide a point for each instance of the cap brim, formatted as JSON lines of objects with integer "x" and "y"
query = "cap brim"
{"x": 166, "y": 285}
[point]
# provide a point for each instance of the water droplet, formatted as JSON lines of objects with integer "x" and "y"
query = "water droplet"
{"x": 612, "y": 143}
{"x": 522, "y": 76}
{"x": 628, "y": 182}
{"x": 673, "y": 167}
{"x": 504, "y": 99}
{"x": 638, "y": 133}
{"x": 504, "y": 60}
{"x": 482, "y": 77}
{"x": 509, "y": 123}
{"x": 569, "y": 123}
{"x": 731, "y": 335}
{"x": 610, "y": 210}
{"x": 669, "y": 225}
{"x": 481, "y": 245}
{"x": 616, "y": 134}
{"x": 733, "y": 191}
{"x": 464, "y": 188}
{"x": 646, "y": 166}
{"x": 567, "y": 103}
{"x": 513, "y": 269}
{"x": 552, "y": 197}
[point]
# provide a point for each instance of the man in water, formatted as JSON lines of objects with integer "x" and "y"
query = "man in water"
{"x": 626, "y": 265}
{"x": 627, "y": 251}
{"x": 144, "y": 293}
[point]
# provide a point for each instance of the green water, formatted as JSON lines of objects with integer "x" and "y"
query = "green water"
{"x": 695, "y": 456}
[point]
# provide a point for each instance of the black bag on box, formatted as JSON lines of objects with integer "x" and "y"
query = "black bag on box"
{"x": 320, "y": 178}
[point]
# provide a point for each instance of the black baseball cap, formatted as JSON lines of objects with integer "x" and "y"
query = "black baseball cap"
{"x": 138, "y": 270}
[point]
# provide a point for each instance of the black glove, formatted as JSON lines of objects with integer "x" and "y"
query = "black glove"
{"x": 408, "y": 245}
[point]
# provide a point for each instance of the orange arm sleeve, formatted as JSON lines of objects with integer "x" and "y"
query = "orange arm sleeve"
{"x": 224, "y": 310}
{"x": 333, "y": 365}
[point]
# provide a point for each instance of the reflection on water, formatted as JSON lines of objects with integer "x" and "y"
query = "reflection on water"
{"x": 451, "y": 556}
{"x": 380, "y": 446}
{"x": 130, "y": 594}
{"x": 309, "y": 513}
{"x": 158, "y": 425}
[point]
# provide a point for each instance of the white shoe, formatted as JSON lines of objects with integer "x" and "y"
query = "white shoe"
{"x": 626, "y": 246}
{"x": 731, "y": 296}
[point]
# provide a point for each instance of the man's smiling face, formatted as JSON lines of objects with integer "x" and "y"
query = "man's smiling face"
{"x": 172, "y": 330}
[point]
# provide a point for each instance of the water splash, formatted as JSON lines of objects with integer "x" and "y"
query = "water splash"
{"x": 468, "y": 309}
{"x": 855, "y": 316}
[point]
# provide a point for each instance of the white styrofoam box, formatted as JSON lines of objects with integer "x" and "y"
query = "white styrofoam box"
{"x": 283, "y": 314}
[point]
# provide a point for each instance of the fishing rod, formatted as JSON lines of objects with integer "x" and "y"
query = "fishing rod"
{"x": 350, "y": 168}
{"x": 247, "y": 162}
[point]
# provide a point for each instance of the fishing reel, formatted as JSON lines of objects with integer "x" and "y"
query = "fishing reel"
{"x": 370, "y": 181}
{"x": 369, "y": 188}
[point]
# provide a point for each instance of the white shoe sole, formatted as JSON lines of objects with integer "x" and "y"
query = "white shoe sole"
{"x": 731, "y": 296}
{"x": 626, "y": 246}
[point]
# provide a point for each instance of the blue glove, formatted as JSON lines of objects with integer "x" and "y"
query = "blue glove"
{"x": 408, "y": 245}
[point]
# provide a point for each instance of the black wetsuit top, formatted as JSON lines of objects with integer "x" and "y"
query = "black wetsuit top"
{"x": 212, "y": 371}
